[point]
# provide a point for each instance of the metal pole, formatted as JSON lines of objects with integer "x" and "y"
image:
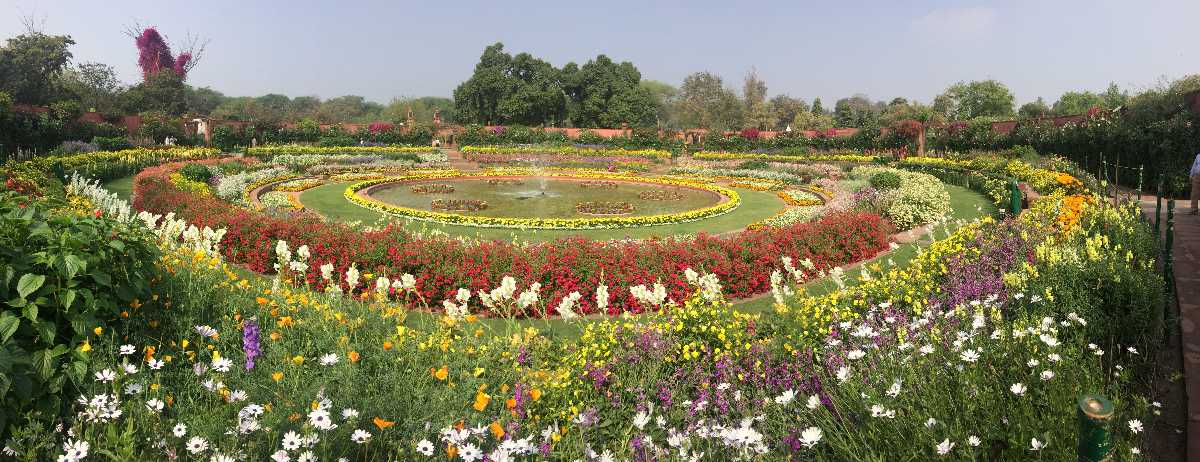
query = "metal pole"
{"x": 1158, "y": 207}
{"x": 1141, "y": 172}
{"x": 1095, "y": 440}
{"x": 1014, "y": 197}
{"x": 1169, "y": 251}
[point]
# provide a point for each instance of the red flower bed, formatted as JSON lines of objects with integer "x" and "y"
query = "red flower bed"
{"x": 743, "y": 262}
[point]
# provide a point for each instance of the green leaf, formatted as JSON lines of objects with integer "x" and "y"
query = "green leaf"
{"x": 29, "y": 283}
{"x": 8, "y": 326}
{"x": 102, "y": 278}
{"x": 119, "y": 245}
{"x": 75, "y": 265}
{"x": 31, "y": 312}
{"x": 68, "y": 297}
{"x": 44, "y": 363}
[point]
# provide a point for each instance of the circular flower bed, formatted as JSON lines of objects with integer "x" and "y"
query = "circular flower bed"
{"x": 598, "y": 184}
{"x": 458, "y": 205}
{"x": 604, "y": 208}
{"x": 729, "y": 201}
{"x": 433, "y": 188}
{"x": 505, "y": 182}
{"x": 661, "y": 195}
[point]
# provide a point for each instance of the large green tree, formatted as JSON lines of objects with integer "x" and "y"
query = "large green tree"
{"x": 664, "y": 95}
{"x": 980, "y": 98}
{"x": 1076, "y": 102}
{"x": 1037, "y": 108}
{"x": 30, "y": 66}
{"x": 754, "y": 97}
{"x": 507, "y": 89}
{"x": 855, "y": 111}
{"x": 94, "y": 85}
{"x": 605, "y": 94}
{"x": 705, "y": 102}
{"x": 163, "y": 92}
{"x": 784, "y": 109}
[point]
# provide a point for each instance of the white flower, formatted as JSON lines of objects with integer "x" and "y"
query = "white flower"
{"x": 329, "y": 359}
{"x": 155, "y": 364}
{"x": 564, "y": 306}
{"x": 222, "y": 364}
{"x": 237, "y": 396}
{"x": 642, "y": 418}
{"x": 1035, "y": 445}
{"x": 463, "y": 295}
{"x": 810, "y": 436}
{"x": 926, "y": 350}
{"x": 786, "y": 397}
{"x": 75, "y": 450}
{"x": 206, "y": 331}
{"x": 130, "y": 369}
{"x": 292, "y": 441}
{"x": 1135, "y": 426}
{"x": 155, "y": 405}
{"x": 1047, "y": 375}
{"x": 216, "y": 457}
{"x": 930, "y": 423}
{"x": 894, "y": 390}
{"x": 349, "y": 413}
{"x": 856, "y": 354}
{"x": 1018, "y": 389}
{"x": 1033, "y": 363}
{"x": 306, "y": 456}
{"x": 970, "y": 356}
{"x": 180, "y": 430}
{"x": 425, "y": 448}
{"x": 106, "y": 376}
{"x": 1054, "y": 357}
{"x": 843, "y": 373}
{"x": 1132, "y": 350}
{"x": 127, "y": 350}
{"x": 197, "y": 445}
{"x": 974, "y": 441}
{"x": 814, "y": 401}
{"x": 470, "y": 453}
{"x": 944, "y": 447}
{"x": 320, "y": 418}
{"x": 360, "y": 436}
{"x": 602, "y": 297}
{"x": 280, "y": 456}
{"x": 1135, "y": 451}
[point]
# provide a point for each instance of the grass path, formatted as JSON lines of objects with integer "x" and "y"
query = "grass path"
{"x": 329, "y": 201}
{"x": 122, "y": 187}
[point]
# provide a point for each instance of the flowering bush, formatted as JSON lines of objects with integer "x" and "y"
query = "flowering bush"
{"x": 830, "y": 157}
{"x": 918, "y": 198}
{"x": 566, "y": 151}
{"x": 299, "y": 149}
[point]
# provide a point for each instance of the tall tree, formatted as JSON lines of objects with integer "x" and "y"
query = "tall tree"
{"x": 754, "y": 97}
{"x": 602, "y": 93}
{"x": 855, "y": 111}
{"x": 1114, "y": 97}
{"x": 164, "y": 92}
{"x": 203, "y": 101}
{"x": 94, "y": 85}
{"x": 1037, "y": 108}
{"x": 1076, "y": 102}
{"x": 980, "y": 98}
{"x": 508, "y": 89}
{"x": 784, "y": 109}
{"x": 30, "y": 66}
{"x": 816, "y": 107}
{"x": 705, "y": 102}
{"x": 664, "y": 95}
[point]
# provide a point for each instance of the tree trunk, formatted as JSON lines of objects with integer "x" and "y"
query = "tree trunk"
{"x": 921, "y": 141}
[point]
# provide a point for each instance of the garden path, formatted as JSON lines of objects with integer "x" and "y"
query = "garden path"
{"x": 458, "y": 162}
{"x": 1187, "y": 283}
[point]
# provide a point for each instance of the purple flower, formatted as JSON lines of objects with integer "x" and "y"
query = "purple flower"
{"x": 250, "y": 342}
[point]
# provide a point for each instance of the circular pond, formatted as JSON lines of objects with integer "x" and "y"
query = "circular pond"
{"x": 560, "y": 201}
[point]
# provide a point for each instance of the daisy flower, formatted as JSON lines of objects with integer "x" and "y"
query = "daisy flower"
{"x": 329, "y": 359}
{"x": 425, "y": 448}
{"x": 197, "y": 445}
{"x": 810, "y": 436}
{"x": 360, "y": 436}
{"x": 127, "y": 350}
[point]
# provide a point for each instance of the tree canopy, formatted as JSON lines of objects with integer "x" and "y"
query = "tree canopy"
{"x": 30, "y": 66}
{"x": 980, "y": 98}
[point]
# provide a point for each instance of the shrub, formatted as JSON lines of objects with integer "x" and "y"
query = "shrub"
{"x": 115, "y": 143}
{"x": 196, "y": 172}
{"x": 66, "y": 278}
{"x": 754, "y": 165}
{"x": 884, "y": 181}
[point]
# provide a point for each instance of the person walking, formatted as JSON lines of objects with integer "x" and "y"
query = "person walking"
{"x": 1195, "y": 174}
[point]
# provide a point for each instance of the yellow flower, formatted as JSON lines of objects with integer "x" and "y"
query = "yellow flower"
{"x": 297, "y": 360}
{"x": 497, "y": 430}
{"x": 277, "y": 376}
{"x": 85, "y": 347}
{"x": 98, "y": 330}
{"x": 481, "y": 401}
{"x": 440, "y": 374}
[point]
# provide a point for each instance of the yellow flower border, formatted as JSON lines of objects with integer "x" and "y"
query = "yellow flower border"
{"x": 734, "y": 200}
{"x": 567, "y": 151}
{"x": 722, "y": 155}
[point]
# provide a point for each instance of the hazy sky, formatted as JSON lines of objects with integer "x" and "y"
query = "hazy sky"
{"x": 381, "y": 49}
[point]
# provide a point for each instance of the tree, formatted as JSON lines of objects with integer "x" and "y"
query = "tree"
{"x": 784, "y": 109}
{"x": 94, "y": 85}
{"x": 602, "y": 93}
{"x": 914, "y": 115}
{"x": 1076, "y": 102}
{"x": 163, "y": 92}
{"x": 980, "y": 98}
{"x": 204, "y": 100}
{"x": 855, "y": 111}
{"x": 1031, "y": 109}
{"x": 816, "y": 107}
{"x": 664, "y": 96}
{"x": 805, "y": 120}
{"x": 754, "y": 96}
{"x": 1114, "y": 97}
{"x": 349, "y": 108}
{"x": 30, "y": 66}
{"x": 705, "y": 102}
{"x": 508, "y": 89}
{"x": 154, "y": 54}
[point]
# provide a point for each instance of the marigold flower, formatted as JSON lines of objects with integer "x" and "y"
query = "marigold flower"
{"x": 277, "y": 376}
{"x": 353, "y": 355}
{"x": 481, "y": 401}
{"x": 440, "y": 374}
{"x": 382, "y": 424}
{"x": 497, "y": 430}
{"x": 297, "y": 360}
{"x": 387, "y": 345}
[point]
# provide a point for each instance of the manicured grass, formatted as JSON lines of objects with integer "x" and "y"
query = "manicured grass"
{"x": 122, "y": 187}
{"x": 329, "y": 201}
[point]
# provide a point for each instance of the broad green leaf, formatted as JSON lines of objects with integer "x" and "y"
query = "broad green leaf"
{"x": 44, "y": 363}
{"x": 8, "y": 326}
{"x": 31, "y": 312}
{"x": 75, "y": 265}
{"x": 29, "y": 283}
{"x": 68, "y": 297}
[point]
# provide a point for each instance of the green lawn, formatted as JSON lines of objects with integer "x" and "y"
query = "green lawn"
{"x": 329, "y": 201}
{"x": 122, "y": 187}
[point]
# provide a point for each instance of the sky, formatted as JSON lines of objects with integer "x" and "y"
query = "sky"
{"x": 828, "y": 49}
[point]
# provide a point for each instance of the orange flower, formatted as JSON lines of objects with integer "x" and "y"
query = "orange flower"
{"x": 353, "y": 356}
{"x": 387, "y": 345}
{"x": 451, "y": 451}
{"x": 481, "y": 401}
{"x": 382, "y": 424}
{"x": 261, "y": 300}
{"x": 536, "y": 394}
{"x": 510, "y": 403}
{"x": 149, "y": 353}
{"x": 496, "y": 430}
{"x": 440, "y": 374}
{"x": 285, "y": 321}
{"x": 277, "y": 376}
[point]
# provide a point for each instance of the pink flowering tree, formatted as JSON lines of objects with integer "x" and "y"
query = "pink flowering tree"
{"x": 154, "y": 54}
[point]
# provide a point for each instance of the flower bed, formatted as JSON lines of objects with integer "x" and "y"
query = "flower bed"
{"x": 458, "y": 205}
{"x": 660, "y": 195}
{"x": 441, "y": 265}
{"x": 566, "y": 151}
{"x": 730, "y": 202}
{"x": 816, "y": 157}
{"x": 919, "y": 199}
{"x": 434, "y": 188}
{"x": 604, "y": 208}
{"x": 303, "y": 184}
{"x": 800, "y": 197}
{"x": 297, "y": 149}
{"x": 599, "y": 184}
